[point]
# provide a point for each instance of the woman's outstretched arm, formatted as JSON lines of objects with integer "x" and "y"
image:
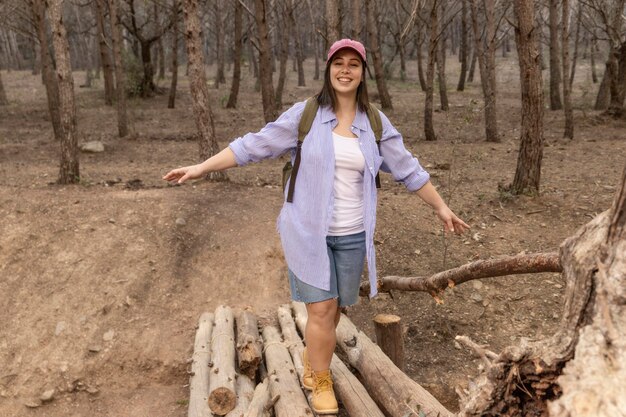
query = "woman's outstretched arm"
{"x": 223, "y": 160}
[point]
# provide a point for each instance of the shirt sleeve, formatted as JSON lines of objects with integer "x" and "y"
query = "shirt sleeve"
{"x": 272, "y": 141}
{"x": 398, "y": 161}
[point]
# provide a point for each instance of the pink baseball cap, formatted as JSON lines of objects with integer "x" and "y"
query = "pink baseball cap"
{"x": 347, "y": 44}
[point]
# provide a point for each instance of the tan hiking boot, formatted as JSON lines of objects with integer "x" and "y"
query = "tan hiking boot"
{"x": 324, "y": 401}
{"x": 307, "y": 377}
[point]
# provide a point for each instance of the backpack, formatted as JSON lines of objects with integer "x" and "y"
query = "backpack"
{"x": 309, "y": 113}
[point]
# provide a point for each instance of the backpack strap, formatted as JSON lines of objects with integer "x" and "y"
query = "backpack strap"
{"x": 376, "y": 123}
{"x": 306, "y": 121}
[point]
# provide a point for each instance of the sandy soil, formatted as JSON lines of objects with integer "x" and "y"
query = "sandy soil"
{"x": 102, "y": 283}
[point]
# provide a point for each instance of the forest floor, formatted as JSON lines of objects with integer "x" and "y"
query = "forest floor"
{"x": 102, "y": 283}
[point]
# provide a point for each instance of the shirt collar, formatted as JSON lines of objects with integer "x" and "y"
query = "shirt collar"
{"x": 360, "y": 120}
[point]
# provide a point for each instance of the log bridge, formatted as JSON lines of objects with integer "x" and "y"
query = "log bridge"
{"x": 241, "y": 369}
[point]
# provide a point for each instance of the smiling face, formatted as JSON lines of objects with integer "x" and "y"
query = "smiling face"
{"x": 346, "y": 72}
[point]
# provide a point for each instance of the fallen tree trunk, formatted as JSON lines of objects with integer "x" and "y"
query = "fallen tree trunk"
{"x": 259, "y": 406}
{"x": 199, "y": 382}
{"x": 283, "y": 380}
{"x": 222, "y": 397}
{"x": 245, "y": 391}
{"x": 349, "y": 389}
{"x": 579, "y": 371}
{"x": 249, "y": 345}
{"x": 487, "y": 268}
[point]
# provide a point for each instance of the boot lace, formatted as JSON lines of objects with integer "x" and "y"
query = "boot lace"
{"x": 323, "y": 383}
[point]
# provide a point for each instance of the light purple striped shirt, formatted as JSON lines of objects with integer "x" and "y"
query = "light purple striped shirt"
{"x": 303, "y": 224}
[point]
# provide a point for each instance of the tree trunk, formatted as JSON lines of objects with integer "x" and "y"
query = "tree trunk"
{"x": 3, "y": 95}
{"x": 222, "y": 394}
{"x": 297, "y": 42}
{"x": 171, "y": 102}
{"x": 147, "y": 87}
{"x": 389, "y": 336}
{"x": 419, "y": 39}
{"x": 618, "y": 82}
{"x": 282, "y": 21}
{"x": 249, "y": 343}
{"x": 69, "y": 169}
{"x": 463, "y": 49}
{"x": 555, "y": 70}
{"x": 199, "y": 380}
{"x": 207, "y": 143}
{"x": 472, "y": 67}
{"x": 486, "y": 64}
{"x": 567, "y": 98}
{"x": 260, "y": 399}
{"x": 355, "y": 7}
{"x": 238, "y": 40}
{"x": 592, "y": 57}
{"x": 576, "y": 42}
{"x": 270, "y": 110}
{"x": 441, "y": 63}
{"x": 604, "y": 92}
{"x": 429, "y": 130}
{"x": 333, "y": 22}
{"x": 372, "y": 29}
{"x": 120, "y": 76}
{"x": 220, "y": 78}
{"x": 47, "y": 71}
{"x": 36, "y": 57}
{"x": 528, "y": 171}
{"x": 579, "y": 370}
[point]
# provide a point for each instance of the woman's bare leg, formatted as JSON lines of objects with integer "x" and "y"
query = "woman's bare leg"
{"x": 320, "y": 333}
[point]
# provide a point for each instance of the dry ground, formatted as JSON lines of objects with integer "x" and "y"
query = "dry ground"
{"x": 102, "y": 283}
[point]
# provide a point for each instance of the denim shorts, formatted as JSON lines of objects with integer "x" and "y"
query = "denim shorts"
{"x": 347, "y": 258}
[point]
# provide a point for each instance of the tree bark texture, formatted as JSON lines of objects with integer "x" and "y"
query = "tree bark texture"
{"x": 463, "y": 49}
{"x": 297, "y": 43}
{"x": 120, "y": 76}
{"x": 207, "y": 143}
{"x": 282, "y": 20}
{"x": 333, "y": 22}
{"x": 249, "y": 344}
{"x": 579, "y": 18}
{"x": 238, "y": 40}
{"x": 355, "y": 7}
{"x": 245, "y": 392}
{"x": 555, "y": 68}
{"x": 372, "y": 29}
{"x": 171, "y": 101}
{"x": 105, "y": 58}
{"x": 485, "y": 48}
{"x": 528, "y": 171}
{"x": 429, "y": 130}
{"x": 389, "y": 336}
{"x": 219, "y": 36}
{"x": 419, "y": 40}
{"x": 567, "y": 91}
{"x": 484, "y": 268}
{"x": 282, "y": 375}
{"x": 270, "y": 110}
{"x": 47, "y": 70}
{"x": 69, "y": 167}
{"x": 441, "y": 64}
{"x": 199, "y": 380}
{"x": 222, "y": 394}
{"x": 3, "y": 95}
{"x": 260, "y": 399}
{"x": 349, "y": 389}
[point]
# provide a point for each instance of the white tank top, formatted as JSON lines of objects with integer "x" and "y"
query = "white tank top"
{"x": 348, "y": 187}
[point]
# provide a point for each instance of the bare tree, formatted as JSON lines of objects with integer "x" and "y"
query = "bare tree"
{"x": 567, "y": 99}
{"x": 485, "y": 45}
{"x": 372, "y": 29}
{"x": 49, "y": 79}
{"x": 238, "y": 40}
{"x": 120, "y": 77}
{"x": 297, "y": 42}
{"x": 429, "y": 130}
{"x": 69, "y": 166}
{"x": 579, "y": 16}
{"x": 207, "y": 142}
{"x": 105, "y": 59}
{"x": 171, "y": 101}
{"x": 270, "y": 110}
{"x": 282, "y": 11}
{"x": 333, "y": 21}
{"x": 441, "y": 61}
{"x": 463, "y": 50}
{"x": 528, "y": 172}
{"x": 219, "y": 37}
{"x": 355, "y": 7}
{"x": 555, "y": 67}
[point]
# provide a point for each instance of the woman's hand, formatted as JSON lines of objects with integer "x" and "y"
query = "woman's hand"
{"x": 451, "y": 223}
{"x": 181, "y": 175}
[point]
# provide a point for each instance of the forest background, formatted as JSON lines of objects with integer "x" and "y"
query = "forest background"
{"x": 105, "y": 269}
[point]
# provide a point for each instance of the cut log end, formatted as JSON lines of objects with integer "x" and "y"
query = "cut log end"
{"x": 222, "y": 400}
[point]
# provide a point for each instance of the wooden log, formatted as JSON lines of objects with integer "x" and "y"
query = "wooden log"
{"x": 348, "y": 388}
{"x": 245, "y": 391}
{"x": 249, "y": 345}
{"x": 260, "y": 399}
{"x": 389, "y": 337}
{"x": 486, "y": 268}
{"x": 283, "y": 379}
{"x": 392, "y": 389}
{"x": 199, "y": 381}
{"x": 222, "y": 397}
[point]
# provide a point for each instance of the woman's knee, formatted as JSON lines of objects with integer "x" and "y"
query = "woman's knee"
{"x": 323, "y": 312}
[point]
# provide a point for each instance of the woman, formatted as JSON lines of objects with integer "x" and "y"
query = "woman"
{"x": 327, "y": 230}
